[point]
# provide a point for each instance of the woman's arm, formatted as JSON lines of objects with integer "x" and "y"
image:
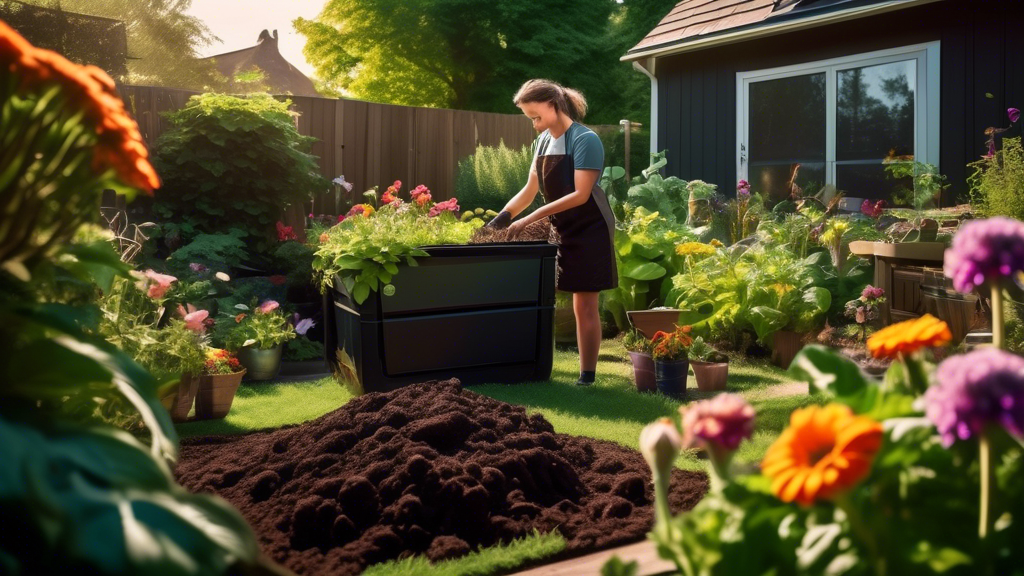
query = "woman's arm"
{"x": 584, "y": 180}
{"x": 525, "y": 197}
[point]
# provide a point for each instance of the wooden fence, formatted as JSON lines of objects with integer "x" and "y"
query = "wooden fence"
{"x": 370, "y": 144}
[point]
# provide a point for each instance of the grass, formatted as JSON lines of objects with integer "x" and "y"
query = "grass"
{"x": 496, "y": 559}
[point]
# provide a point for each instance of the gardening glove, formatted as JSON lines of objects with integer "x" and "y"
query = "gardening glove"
{"x": 501, "y": 221}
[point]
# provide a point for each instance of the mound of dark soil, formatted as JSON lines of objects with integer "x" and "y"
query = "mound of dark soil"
{"x": 539, "y": 230}
{"x": 427, "y": 469}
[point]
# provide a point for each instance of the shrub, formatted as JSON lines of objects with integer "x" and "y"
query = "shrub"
{"x": 230, "y": 162}
{"x": 215, "y": 251}
{"x": 639, "y": 149}
{"x": 490, "y": 177}
{"x": 997, "y": 184}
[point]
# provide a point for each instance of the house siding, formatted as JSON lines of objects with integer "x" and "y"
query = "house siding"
{"x": 982, "y": 51}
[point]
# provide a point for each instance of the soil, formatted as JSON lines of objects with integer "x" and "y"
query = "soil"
{"x": 427, "y": 469}
{"x": 853, "y": 349}
{"x": 539, "y": 230}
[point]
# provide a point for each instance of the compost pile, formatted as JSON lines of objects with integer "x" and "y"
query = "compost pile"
{"x": 427, "y": 469}
{"x": 540, "y": 230}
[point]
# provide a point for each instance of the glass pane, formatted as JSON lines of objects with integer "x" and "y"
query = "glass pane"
{"x": 870, "y": 181}
{"x": 875, "y": 111}
{"x": 774, "y": 180}
{"x": 787, "y": 120}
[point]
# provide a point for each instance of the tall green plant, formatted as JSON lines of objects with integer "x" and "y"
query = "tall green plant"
{"x": 492, "y": 175}
{"x": 231, "y": 162}
{"x": 997, "y": 183}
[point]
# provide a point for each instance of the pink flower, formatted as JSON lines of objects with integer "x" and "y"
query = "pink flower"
{"x": 743, "y": 188}
{"x": 156, "y": 284}
{"x": 871, "y": 293}
{"x": 872, "y": 210}
{"x": 355, "y": 210}
{"x": 862, "y": 315}
{"x": 1013, "y": 113}
{"x": 195, "y": 320}
{"x": 983, "y": 251}
{"x": 397, "y": 185}
{"x": 451, "y": 205}
{"x": 724, "y": 421}
{"x": 267, "y": 307}
{"x": 341, "y": 218}
{"x": 285, "y": 233}
{"x": 420, "y": 195}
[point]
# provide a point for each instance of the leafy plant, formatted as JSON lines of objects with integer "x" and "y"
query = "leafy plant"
{"x": 296, "y": 260}
{"x": 492, "y": 175}
{"x": 366, "y": 252}
{"x": 220, "y": 362}
{"x": 263, "y": 326}
{"x": 701, "y": 351}
{"x": 215, "y": 251}
{"x": 997, "y": 183}
{"x": 302, "y": 348}
{"x": 671, "y": 346}
{"x": 634, "y": 341}
{"x": 230, "y": 162}
{"x": 927, "y": 183}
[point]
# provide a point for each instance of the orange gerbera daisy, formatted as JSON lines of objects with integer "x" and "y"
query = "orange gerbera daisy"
{"x": 909, "y": 336}
{"x": 825, "y": 451}
{"x": 119, "y": 145}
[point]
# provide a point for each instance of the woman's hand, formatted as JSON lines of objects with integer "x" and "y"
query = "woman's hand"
{"x": 517, "y": 227}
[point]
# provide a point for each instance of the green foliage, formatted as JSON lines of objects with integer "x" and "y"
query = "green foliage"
{"x": 997, "y": 183}
{"x": 634, "y": 341}
{"x": 367, "y": 252}
{"x": 927, "y": 183}
{"x": 614, "y": 143}
{"x": 263, "y": 330}
{"x": 296, "y": 260}
{"x": 491, "y": 176}
{"x": 667, "y": 196}
{"x": 427, "y": 53}
{"x": 701, "y": 351}
{"x": 495, "y": 560}
{"x": 231, "y": 162}
{"x": 215, "y": 251}
{"x": 302, "y": 348}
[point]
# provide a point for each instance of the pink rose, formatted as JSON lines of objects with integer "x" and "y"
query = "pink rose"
{"x": 267, "y": 307}
{"x": 158, "y": 284}
{"x": 195, "y": 320}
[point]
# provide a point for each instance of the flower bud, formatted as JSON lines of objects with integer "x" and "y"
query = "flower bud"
{"x": 660, "y": 444}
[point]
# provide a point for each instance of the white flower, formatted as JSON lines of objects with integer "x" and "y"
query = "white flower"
{"x": 241, "y": 307}
{"x": 660, "y": 444}
{"x": 340, "y": 181}
{"x": 222, "y": 277}
{"x": 248, "y": 342}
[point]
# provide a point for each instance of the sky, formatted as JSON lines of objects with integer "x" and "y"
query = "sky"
{"x": 238, "y": 24}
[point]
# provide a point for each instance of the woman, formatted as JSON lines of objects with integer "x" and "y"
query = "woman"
{"x": 567, "y": 161}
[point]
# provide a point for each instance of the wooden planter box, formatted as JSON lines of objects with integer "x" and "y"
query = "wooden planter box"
{"x": 899, "y": 270}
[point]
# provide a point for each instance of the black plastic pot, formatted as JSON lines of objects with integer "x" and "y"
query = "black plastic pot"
{"x": 670, "y": 377}
{"x": 479, "y": 313}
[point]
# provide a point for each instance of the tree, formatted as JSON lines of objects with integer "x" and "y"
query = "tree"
{"x": 163, "y": 40}
{"x": 467, "y": 54}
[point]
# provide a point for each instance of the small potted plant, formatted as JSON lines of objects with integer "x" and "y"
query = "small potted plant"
{"x": 710, "y": 367}
{"x": 258, "y": 337}
{"x": 222, "y": 373}
{"x": 639, "y": 348}
{"x": 670, "y": 352}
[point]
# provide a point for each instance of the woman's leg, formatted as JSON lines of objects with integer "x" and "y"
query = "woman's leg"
{"x": 588, "y": 328}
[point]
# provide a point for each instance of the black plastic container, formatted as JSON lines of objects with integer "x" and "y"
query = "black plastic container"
{"x": 479, "y": 313}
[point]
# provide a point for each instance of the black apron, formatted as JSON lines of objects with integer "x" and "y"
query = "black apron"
{"x": 586, "y": 253}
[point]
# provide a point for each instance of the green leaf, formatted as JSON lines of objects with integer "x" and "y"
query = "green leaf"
{"x": 98, "y": 263}
{"x": 767, "y": 321}
{"x": 643, "y": 271}
{"x": 360, "y": 292}
{"x": 833, "y": 375}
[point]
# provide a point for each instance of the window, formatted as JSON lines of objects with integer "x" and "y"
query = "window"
{"x": 834, "y": 122}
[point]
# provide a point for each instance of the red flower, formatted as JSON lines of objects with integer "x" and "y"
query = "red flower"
{"x": 278, "y": 279}
{"x": 285, "y": 233}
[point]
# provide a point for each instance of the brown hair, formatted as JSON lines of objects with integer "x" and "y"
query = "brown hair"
{"x": 566, "y": 100}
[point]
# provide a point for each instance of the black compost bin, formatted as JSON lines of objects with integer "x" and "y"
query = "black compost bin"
{"x": 479, "y": 313}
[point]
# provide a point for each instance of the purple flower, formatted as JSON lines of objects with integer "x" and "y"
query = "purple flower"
{"x": 982, "y": 387}
{"x": 743, "y": 188}
{"x": 197, "y": 268}
{"x": 991, "y": 149}
{"x": 304, "y": 325}
{"x": 1013, "y": 113}
{"x": 985, "y": 251}
{"x": 872, "y": 293}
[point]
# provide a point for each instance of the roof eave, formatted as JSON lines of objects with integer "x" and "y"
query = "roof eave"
{"x": 763, "y": 29}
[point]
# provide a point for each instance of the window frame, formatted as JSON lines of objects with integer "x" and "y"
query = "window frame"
{"x": 926, "y": 100}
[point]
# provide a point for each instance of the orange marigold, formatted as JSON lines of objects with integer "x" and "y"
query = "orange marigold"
{"x": 909, "y": 336}
{"x": 120, "y": 146}
{"x": 825, "y": 451}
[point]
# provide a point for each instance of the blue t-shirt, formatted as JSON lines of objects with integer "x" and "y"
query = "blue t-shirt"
{"x": 584, "y": 146}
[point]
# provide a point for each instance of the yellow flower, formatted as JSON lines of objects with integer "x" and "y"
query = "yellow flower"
{"x": 825, "y": 451}
{"x": 909, "y": 336}
{"x": 716, "y": 243}
{"x": 694, "y": 249}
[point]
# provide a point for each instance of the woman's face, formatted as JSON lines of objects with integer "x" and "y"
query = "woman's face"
{"x": 542, "y": 114}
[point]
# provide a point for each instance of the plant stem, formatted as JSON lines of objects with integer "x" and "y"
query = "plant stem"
{"x": 860, "y": 529}
{"x": 998, "y": 336}
{"x": 984, "y": 459}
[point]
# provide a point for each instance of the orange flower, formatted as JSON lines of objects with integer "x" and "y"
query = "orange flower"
{"x": 119, "y": 145}
{"x": 239, "y": 317}
{"x": 825, "y": 451}
{"x": 909, "y": 336}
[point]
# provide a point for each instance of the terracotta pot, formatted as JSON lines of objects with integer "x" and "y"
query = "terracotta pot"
{"x": 670, "y": 377}
{"x": 648, "y": 322}
{"x": 179, "y": 401}
{"x": 786, "y": 344}
{"x": 643, "y": 372}
{"x": 216, "y": 392}
{"x": 261, "y": 364}
{"x": 710, "y": 376}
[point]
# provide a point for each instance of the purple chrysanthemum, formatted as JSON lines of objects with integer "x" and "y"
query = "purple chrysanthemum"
{"x": 985, "y": 251}
{"x": 871, "y": 293}
{"x": 1013, "y": 113}
{"x": 982, "y": 387}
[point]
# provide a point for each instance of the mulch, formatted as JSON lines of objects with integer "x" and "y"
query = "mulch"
{"x": 427, "y": 469}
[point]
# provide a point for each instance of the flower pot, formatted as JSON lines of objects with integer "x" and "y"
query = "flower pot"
{"x": 643, "y": 371}
{"x": 216, "y": 392}
{"x": 670, "y": 377}
{"x": 786, "y": 344}
{"x": 710, "y": 376}
{"x": 261, "y": 364}
{"x": 179, "y": 401}
{"x": 648, "y": 322}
